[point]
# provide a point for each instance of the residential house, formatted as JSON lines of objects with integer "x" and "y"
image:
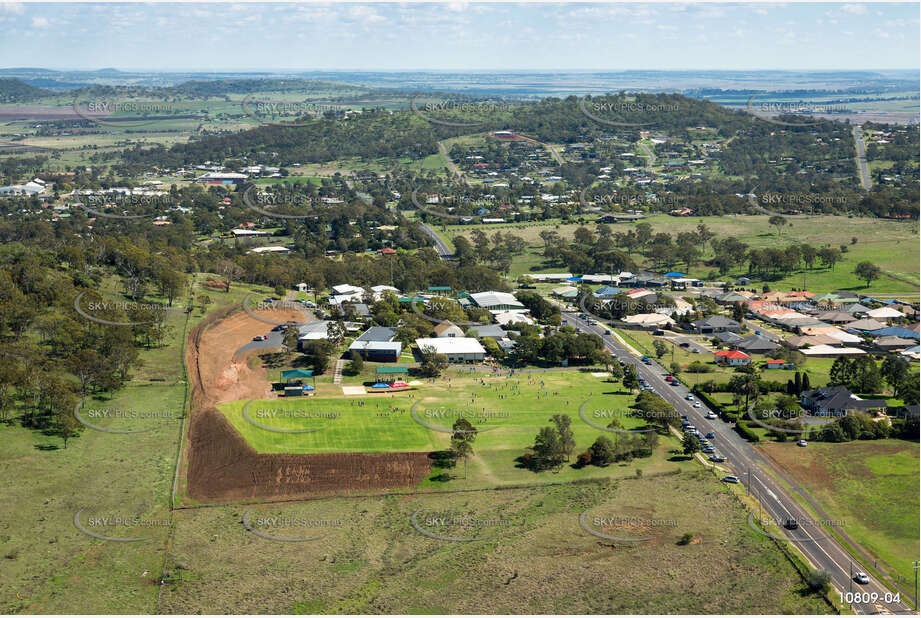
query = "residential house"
{"x": 716, "y": 324}
{"x": 733, "y": 358}
{"x": 837, "y": 401}
{"x": 447, "y": 329}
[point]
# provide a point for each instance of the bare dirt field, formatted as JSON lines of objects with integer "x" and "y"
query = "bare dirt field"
{"x": 221, "y": 466}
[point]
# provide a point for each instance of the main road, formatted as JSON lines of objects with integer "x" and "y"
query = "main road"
{"x": 444, "y": 252}
{"x": 861, "y": 157}
{"x": 822, "y": 551}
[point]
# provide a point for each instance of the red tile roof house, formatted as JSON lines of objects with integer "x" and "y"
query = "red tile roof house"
{"x": 733, "y": 358}
{"x": 778, "y": 364}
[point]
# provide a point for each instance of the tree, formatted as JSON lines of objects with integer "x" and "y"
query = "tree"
{"x": 690, "y": 444}
{"x": 567, "y": 440}
{"x": 631, "y": 381}
{"x": 335, "y": 333}
{"x": 894, "y": 370}
{"x": 601, "y": 451}
{"x": 357, "y": 364}
{"x": 547, "y": 448}
{"x": 777, "y": 221}
{"x": 675, "y": 368}
{"x": 818, "y": 581}
{"x": 462, "y": 439}
{"x": 67, "y": 427}
{"x": 868, "y": 271}
{"x": 432, "y": 363}
{"x": 203, "y": 301}
{"x": 660, "y": 348}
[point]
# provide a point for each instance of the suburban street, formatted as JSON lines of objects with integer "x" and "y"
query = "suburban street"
{"x": 745, "y": 462}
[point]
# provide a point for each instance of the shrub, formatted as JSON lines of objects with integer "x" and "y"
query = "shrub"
{"x": 686, "y": 539}
{"x": 743, "y": 430}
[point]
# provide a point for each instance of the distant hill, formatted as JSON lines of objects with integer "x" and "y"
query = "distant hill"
{"x": 17, "y": 91}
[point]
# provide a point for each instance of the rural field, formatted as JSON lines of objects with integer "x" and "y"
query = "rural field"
{"x": 532, "y": 556}
{"x": 889, "y": 244}
{"x": 869, "y": 485}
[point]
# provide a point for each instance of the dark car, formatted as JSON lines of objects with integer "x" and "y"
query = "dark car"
{"x": 791, "y": 524}
{"x": 710, "y": 435}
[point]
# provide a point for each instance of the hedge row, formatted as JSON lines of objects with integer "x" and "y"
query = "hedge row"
{"x": 743, "y": 430}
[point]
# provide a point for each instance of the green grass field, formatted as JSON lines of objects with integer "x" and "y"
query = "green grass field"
{"x": 892, "y": 245}
{"x": 871, "y": 486}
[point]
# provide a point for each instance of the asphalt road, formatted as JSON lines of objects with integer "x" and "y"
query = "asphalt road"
{"x": 862, "y": 157}
{"x": 777, "y": 501}
{"x": 440, "y": 246}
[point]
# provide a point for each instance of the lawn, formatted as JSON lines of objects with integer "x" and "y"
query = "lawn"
{"x": 871, "y": 485}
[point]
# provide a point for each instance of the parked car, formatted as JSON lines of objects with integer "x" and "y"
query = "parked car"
{"x": 730, "y": 479}
{"x": 689, "y": 397}
{"x": 791, "y": 524}
{"x": 710, "y": 416}
{"x": 801, "y": 443}
{"x": 260, "y": 337}
{"x": 717, "y": 458}
{"x": 861, "y": 578}
{"x": 684, "y": 344}
{"x": 696, "y": 404}
{"x": 695, "y": 351}
{"x": 710, "y": 435}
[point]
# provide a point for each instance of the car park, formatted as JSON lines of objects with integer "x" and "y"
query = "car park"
{"x": 730, "y": 479}
{"x": 861, "y": 578}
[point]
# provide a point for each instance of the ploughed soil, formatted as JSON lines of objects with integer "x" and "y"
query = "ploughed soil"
{"x": 223, "y": 467}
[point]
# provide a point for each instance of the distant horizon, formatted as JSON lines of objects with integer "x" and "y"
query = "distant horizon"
{"x": 447, "y": 70}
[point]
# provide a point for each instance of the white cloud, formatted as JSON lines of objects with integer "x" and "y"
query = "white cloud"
{"x": 40, "y": 22}
{"x": 16, "y": 8}
{"x": 854, "y": 9}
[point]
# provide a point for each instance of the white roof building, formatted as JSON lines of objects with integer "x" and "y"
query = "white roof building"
{"x": 649, "y": 319}
{"x": 885, "y": 313}
{"x": 497, "y": 301}
{"x": 457, "y": 349}
{"x": 345, "y": 288}
{"x": 512, "y": 317}
{"x": 827, "y": 350}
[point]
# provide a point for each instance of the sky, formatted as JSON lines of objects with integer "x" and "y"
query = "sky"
{"x": 459, "y": 36}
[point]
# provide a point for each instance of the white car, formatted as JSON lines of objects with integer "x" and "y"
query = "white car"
{"x": 801, "y": 443}
{"x": 730, "y": 479}
{"x": 861, "y": 578}
{"x": 689, "y": 397}
{"x": 696, "y": 404}
{"x": 710, "y": 416}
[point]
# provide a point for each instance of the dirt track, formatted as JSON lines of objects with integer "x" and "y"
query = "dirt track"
{"x": 222, "y": 466}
